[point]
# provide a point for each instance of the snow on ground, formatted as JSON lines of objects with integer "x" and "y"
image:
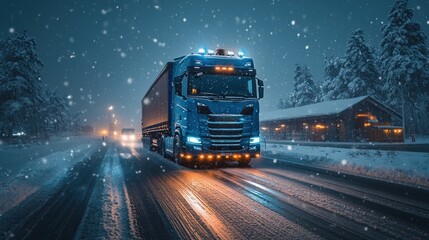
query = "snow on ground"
{"x": 396, "y": 166}
{"x": 26, "y": 170}
{"x": 106, "y": 216}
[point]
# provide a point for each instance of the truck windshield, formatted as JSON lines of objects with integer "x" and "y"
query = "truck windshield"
{"x": 222, "y": 86}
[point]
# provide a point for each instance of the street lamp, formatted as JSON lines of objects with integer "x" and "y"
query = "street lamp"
{"x": 111, "y": 116}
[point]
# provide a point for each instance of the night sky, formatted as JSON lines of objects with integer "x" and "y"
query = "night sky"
{"x": 103, "y": 53}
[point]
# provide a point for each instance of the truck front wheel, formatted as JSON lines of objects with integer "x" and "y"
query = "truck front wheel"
{"x": 177, "y": 148}
{"x": 244, "y": 163}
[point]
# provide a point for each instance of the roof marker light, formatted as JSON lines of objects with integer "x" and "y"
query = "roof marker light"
{"x": 210, "y": 52}
{"x": 230, "y": 53}
{"x": 240, "y": 54}
{"x": 201, "y": 51}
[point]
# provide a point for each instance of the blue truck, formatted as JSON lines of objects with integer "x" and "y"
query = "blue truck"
{"x": 203, "y": 109}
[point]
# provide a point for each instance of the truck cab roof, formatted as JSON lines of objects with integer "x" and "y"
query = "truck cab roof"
{"x": 213, "y": 60}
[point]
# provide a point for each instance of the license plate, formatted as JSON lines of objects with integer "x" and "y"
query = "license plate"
{"x": 226, "y": 154}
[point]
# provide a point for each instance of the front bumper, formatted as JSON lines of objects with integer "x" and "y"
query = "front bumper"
{"x": 199, "y": 152}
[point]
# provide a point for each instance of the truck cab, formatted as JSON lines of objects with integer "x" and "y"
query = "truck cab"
{"x": 213, "y": 109}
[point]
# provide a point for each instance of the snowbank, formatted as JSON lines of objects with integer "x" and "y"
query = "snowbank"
{"x": 23, "y": 174}
{"x": 396, "y": 166}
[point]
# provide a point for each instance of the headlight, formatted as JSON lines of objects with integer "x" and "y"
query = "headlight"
{"x": 133, "y": 137}
{"x": 254, "y": 140}
{"x": 190, "y": 139}
{"x": 124, "y": 137}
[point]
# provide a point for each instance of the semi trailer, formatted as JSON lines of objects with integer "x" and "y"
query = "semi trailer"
{"x": 203, "y": 108}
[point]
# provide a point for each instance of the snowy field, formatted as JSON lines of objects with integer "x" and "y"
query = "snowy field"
{"x": 396, "y": 166}
{"x": 37, "y": 168}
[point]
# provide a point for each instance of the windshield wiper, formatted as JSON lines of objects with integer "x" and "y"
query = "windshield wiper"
{"x": 209, "y": 94}
{"x": 238, "y": 96}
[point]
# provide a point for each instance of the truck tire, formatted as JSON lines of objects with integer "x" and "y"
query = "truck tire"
{"x": 244, "y": 163}
{"x": 177, "y": 147}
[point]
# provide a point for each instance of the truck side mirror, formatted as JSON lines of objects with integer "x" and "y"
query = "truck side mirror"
{"x": 260, "y": 88}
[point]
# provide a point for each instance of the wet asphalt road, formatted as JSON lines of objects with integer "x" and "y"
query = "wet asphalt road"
{"x": 267, "y": 200}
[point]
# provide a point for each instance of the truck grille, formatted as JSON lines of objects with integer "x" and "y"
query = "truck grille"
{"x": 225, "y": 131}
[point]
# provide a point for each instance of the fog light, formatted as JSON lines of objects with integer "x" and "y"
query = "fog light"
{"x": 188, "y": 156}
{"x": 201, "y": 156}
{"x": 210, "y": 156}
{"x": 247, "y": 155}
{"x": 182, "y": 155}
{"x": 218, "y": 156}
{"x": 258, "y": 155}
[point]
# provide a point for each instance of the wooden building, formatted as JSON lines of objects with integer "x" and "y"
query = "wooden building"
{"x": 361, "y": 119}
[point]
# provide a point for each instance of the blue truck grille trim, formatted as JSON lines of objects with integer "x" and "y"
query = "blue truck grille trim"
{"x": 225, "y": 132}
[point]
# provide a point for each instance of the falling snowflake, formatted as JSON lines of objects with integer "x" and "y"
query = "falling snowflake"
{"x": 129, "y": 80}
{"x": 292, "y": 22}
{"x": 184, "y": 19}
{"x": 11, "y": 30}
{"x": 274, "y": 160}
{"x": 343, "y": 162}
{"x": 146, "y": 101}
{"x": 289, "y": 147}
{"x": 307, "y": 47}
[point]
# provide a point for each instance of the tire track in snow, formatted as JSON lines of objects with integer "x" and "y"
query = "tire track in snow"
{"x": 191, "y": 199}
{"x": 60, "y": 216}
{"x": 107, "y": 215}
{"x": 322, "y": 222}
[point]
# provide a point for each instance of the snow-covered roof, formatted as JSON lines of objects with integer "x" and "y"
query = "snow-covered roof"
{"x": 312, "y": 110}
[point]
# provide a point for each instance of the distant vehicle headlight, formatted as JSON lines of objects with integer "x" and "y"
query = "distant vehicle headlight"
{"x": 133, "y": 137}
{"x": 190, "y": 139}
{"x": 254, "y": 140}
{"x": 124, "y": 137}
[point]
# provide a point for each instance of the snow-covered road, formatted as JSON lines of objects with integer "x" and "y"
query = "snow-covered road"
{"x": 127, "y": 192}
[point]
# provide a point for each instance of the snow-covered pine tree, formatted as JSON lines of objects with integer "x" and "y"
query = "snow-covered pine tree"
{"x": 58, "y": 115}
{"x": 404, "y": 59}
{"x": 284, "y": 103}
{"x": 333, "y": 85}
{"x": 404, "y": 56}
{"x": 305, "y": 90}
{"x": 360, "y": 72}
{"x": 21, "y": 91}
